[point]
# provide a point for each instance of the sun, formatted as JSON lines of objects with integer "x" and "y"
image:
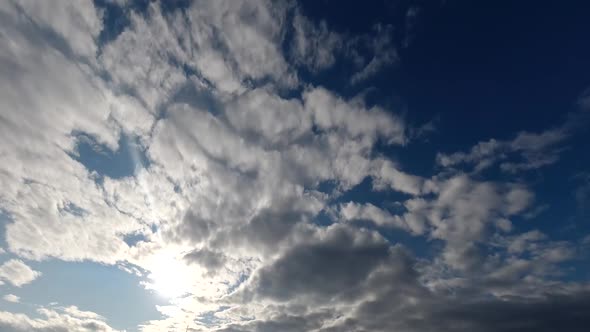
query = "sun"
{"x": 169, "y": 277}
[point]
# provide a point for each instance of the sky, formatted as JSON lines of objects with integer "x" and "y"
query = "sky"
{"x": 321, "y": 166}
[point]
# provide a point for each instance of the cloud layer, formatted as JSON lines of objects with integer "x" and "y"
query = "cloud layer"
{"x": 238, "y": 199}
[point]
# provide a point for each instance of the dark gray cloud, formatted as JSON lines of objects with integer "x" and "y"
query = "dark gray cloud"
{"x": 211, "y": 260}
{"x": 551, "y": 313}
{"x": 323, "y": 269}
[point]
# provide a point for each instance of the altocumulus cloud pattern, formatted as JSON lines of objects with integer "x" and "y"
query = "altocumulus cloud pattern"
{"x": 406, "y": 166}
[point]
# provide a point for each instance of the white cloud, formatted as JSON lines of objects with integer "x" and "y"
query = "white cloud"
{"x": 382, "y": 218}
{"x": 464, "y": 213}
{"x": 46, "y": 100}
{"x": 261, "y": 114}
{"x": 77, "y": 23}
{"x": 76, "y": 312}
{"x": 387, "y": 176}
{"x": 17, "y": 272}
{"x": 52, "y": 320}
{"x": 250, "y": 31}
{"x": 11, "y": 298}
{"x": 333, "y": 113}
{"x": 139, "y": 59}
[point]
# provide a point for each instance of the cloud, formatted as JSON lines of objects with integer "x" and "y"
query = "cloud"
{"x": 331, "y": 112}
{"x": 17, "y": 272}
{"x": 387, "y": 176}
{"x": 536, "y": 150}
{"x": 382, "y": 50}
{"x": 47, "y": 98}
{"x": 135, "y": 63}
{"x": 524, "y": 152}
{"x": 464, "y": 212}
{"x": 314, "y": 45}
{"x": 355, "y": 211}
{"x": 53, "y": 320}
{"x": 11, "y": 298}
{"x": 384, "y": 313}
{"x": 77, "y": 24}
{"x": 323, "y": 266}
{"x": 553, "y": 311}
{"x": 151, "y": 77}
{"x": 262, "y": 116}
{"x": 209, "y": 259}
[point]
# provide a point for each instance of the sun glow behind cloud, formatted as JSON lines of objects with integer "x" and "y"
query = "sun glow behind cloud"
{"x": 169, "y": 276}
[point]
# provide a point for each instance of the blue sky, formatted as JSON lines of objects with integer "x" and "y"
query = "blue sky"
{"x": 294, "y": 166}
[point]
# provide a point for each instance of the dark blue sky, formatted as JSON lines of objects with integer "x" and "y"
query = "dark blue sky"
{"x": 482, "y": 70}
{"x": 478, "y": 61}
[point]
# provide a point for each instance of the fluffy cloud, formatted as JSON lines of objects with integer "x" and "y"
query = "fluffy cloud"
{"x": 17, "y": 272}
{"x": 51, "y": 319}
{"x": 353, "y": 119}
{"x": 11, "y": 298}
{"x": 355, "y": 211}
{"x": 387, "y": 176}
{"x": 323, "y": 266}
{"x": 48, "y": 99}
{"x": 465, "y": 212}
{"x": 77, "y": 24}
{"x": 261, "y": 115}
{"x": 135, "y": 62}
{"x": 554, "y": 311}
